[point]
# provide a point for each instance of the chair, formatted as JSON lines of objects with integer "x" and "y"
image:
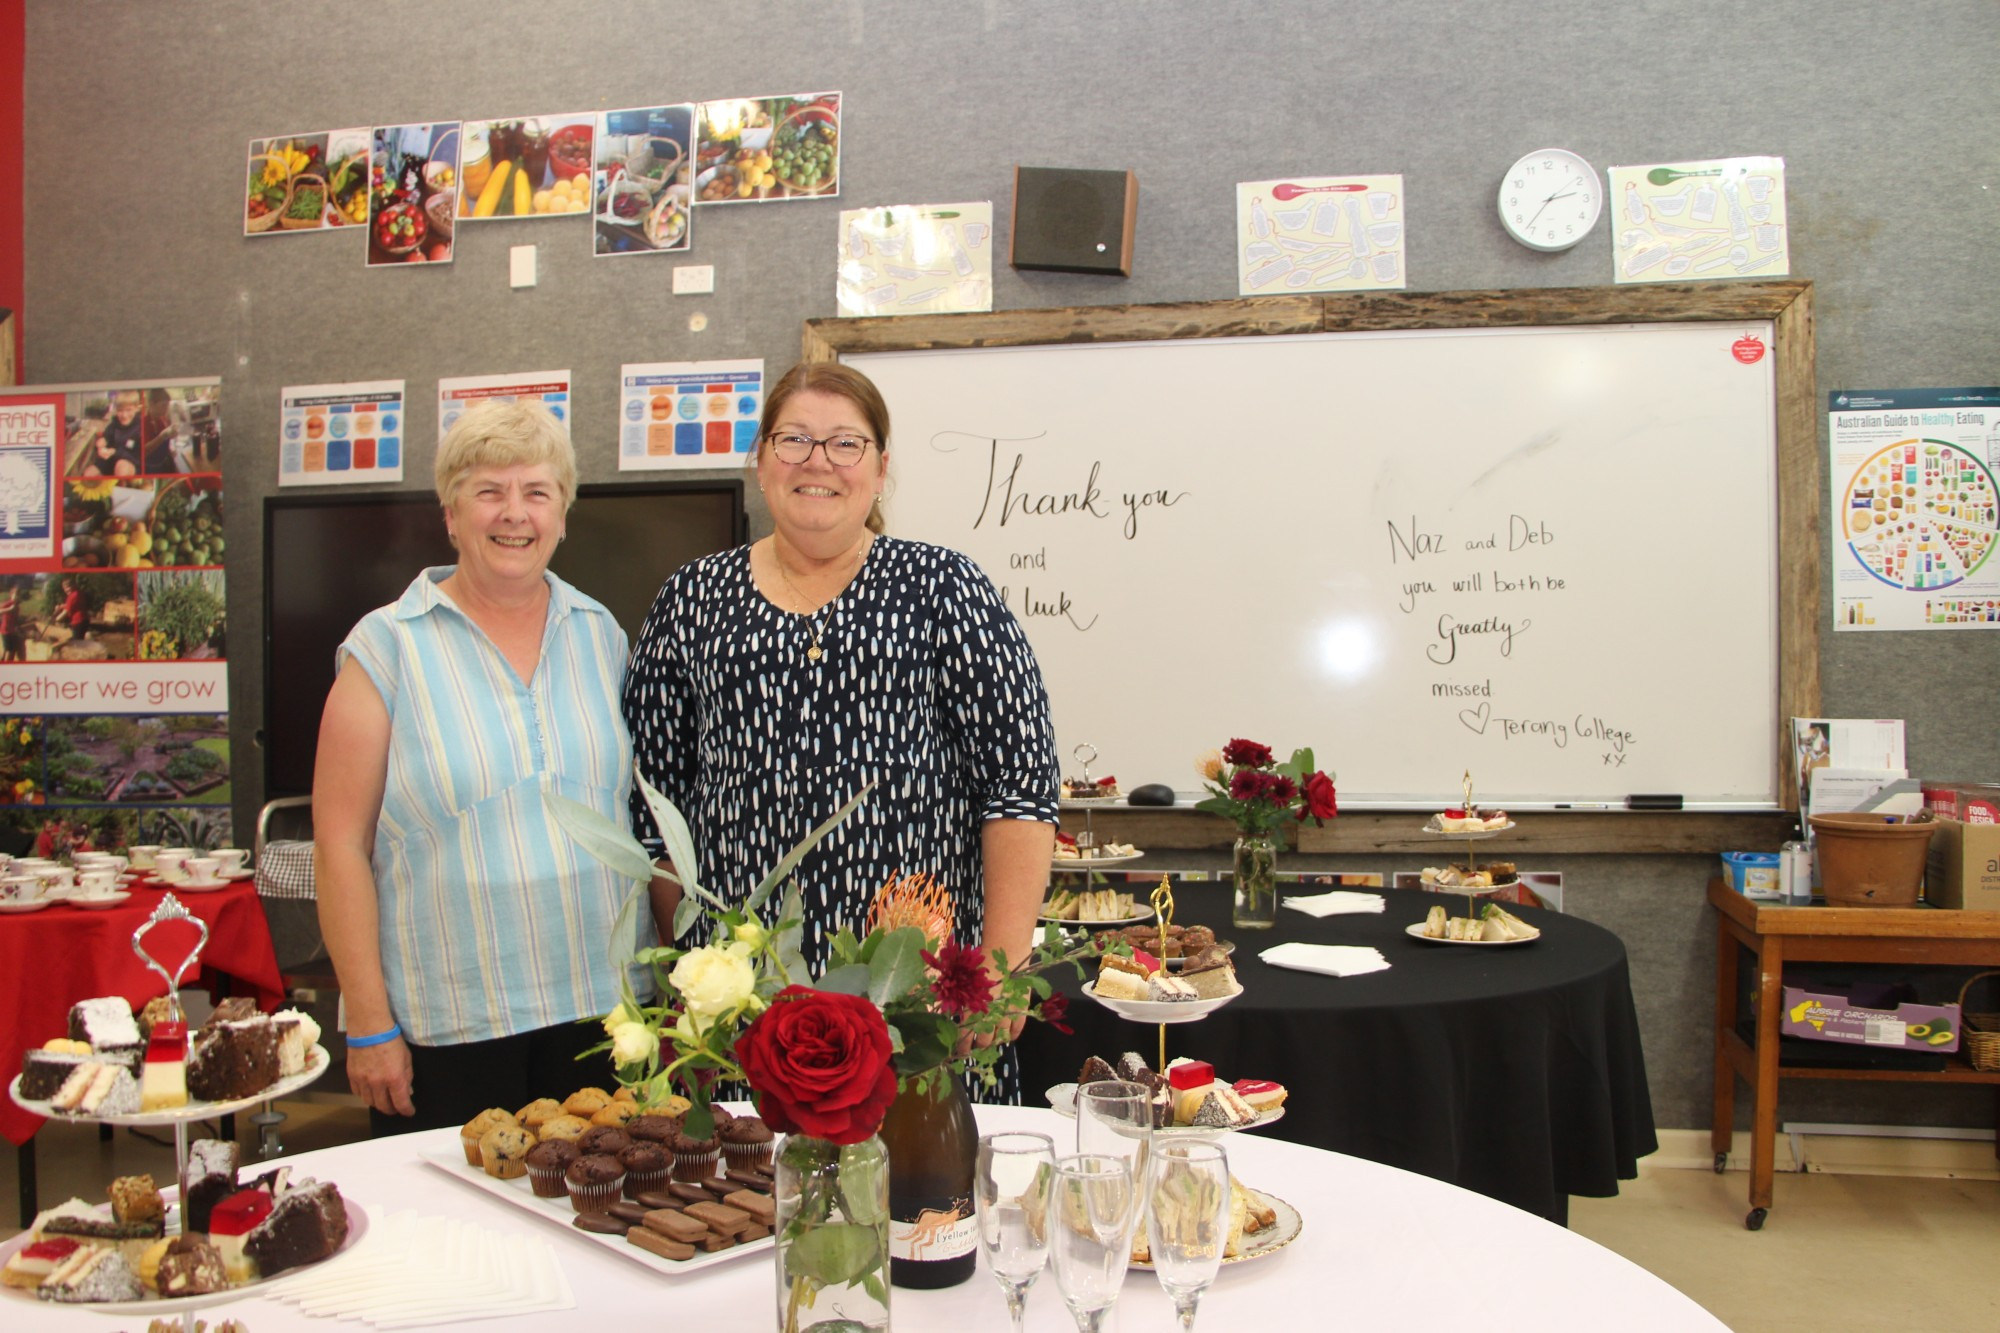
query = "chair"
{"x": 284, "y": 887}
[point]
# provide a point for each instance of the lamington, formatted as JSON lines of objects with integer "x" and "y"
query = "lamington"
{"x": 233, "y": 1060}
{"x": 107, "y": 1024}
{"x": 44, "y": 1072}
{"x": 95, "y": 1088}
{"x": 92, "y": 1275}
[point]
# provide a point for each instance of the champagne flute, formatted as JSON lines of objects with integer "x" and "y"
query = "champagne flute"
{"x": 1114, "y": 1118}
{"x": 1187, "y": 1220}
{"x": 1090, "y": 1233}
{"x": 1016, "y": 1174}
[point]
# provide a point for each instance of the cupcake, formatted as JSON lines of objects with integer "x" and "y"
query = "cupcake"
{"x": 694, "y": 1159}
{"x": 659, "y": 1129}
{"x": 647, "y": 1166}
{"x": 503, "y": 1151}
{"x": 569, "y": 1127}
{"x": 586, "y": 1102}
{"x": 672, "y": 1104}
{"x": 547, "y": 1161}
{"x": 746, "y": 1143}
{"x": 603, "y": 1139}
{"x": 475, "y": 1130}
{"x": 723, "y": 1115}
{"x": 538, "y": 1111}
{"x": 624, "y": 1094}
{"x": 594, "y": 1182}
{"x": 615, "y": 1113}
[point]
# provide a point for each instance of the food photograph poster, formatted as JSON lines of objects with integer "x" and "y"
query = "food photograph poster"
{"x": 688, "y": 414}
{"x": 645, "y": 166}
{"x": 413, "y": 194}
{"x": 756, "y": 149}
{"x": 525, "y": 166}
{"x": 551, "y": 387}
{"x": 114, "y": 689}
{"x": 307, "y": 182}
{"x": 1915, "y": 508}
{"x": 340, "y": 434}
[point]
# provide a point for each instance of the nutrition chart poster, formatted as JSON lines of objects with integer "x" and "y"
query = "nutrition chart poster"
{"x": 1915, "y": 508}
{"x": 549, "y": 387}
{"x": 688, "y": 414}
{"x": 340, "y": 434}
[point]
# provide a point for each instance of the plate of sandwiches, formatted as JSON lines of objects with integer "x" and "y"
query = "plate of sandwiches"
{"x": 1095, "y": 907}
{"x": 1260, "y": 1224}
{"x": 1189, "y": 1101}
{"x": 1474, "y": 823}
{"x": 1483, "y": 879}
{"x": 1068, "y": 856}
{"x": 121, "y": 1068}
{"x": 142, "y": 1254}
{"x": 1495, "y": 927}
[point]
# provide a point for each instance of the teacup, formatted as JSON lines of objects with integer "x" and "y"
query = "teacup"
{"x": 96, "y": 883}
{"x": 21, "y": 888}
{"x": 142, "y": 855}
{"x": 199, "y": 869}
{"x": 230, "y": 860}
{"x": 167, "y": 861}
{"x": 55, "y": 877}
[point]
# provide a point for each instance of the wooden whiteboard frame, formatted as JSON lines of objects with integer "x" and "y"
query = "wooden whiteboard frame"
{"x": 1787, "y": 304}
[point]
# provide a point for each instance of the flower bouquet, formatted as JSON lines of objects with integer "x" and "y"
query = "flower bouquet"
{"x": 899, "y": 1008}
{"x": 1258, "y": 795}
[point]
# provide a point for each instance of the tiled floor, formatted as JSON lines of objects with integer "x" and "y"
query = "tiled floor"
{"x": 1840, "y": 1253}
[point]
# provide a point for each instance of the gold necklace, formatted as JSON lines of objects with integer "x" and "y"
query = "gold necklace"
{"x": 813, "y": 653}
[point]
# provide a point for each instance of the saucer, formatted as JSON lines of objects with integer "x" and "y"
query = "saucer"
{"x": 199, "y": 885}
{"x": 32, "y": 905}
{"x": 98, "y": 904}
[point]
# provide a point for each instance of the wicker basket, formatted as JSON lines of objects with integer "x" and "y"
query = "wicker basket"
{"x": 270, "y": 219}
{"x": 1980, "y": 1034}
{"x": 286, "y": 222}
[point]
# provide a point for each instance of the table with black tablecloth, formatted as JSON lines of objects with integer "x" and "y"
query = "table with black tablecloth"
{"x": 1513, "y": 1071}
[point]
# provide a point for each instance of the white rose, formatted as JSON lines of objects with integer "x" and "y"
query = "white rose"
{"x": 633, "y": 1044}
{"x": 618, "y": 1018}
{"x": 751, "y": 932}
{"x": 713, "y": 980}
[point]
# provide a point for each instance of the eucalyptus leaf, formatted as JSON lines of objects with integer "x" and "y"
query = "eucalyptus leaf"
{"x": 927, "y": 1041}
{"x": 861, "y": 1186}
{"x": 897, "y": 964}
{"x": 604, "y": 839}
{"x": 790, "y": 945}
{"x": 791, "y": 859}
{"x": 849, "y": 980}
{"x": 836, "y": 1254}
{"x": 678, "y": 842}
{"x": 686, "y": 913}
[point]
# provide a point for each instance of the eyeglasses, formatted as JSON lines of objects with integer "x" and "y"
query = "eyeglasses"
{"x": 841, "y": 450}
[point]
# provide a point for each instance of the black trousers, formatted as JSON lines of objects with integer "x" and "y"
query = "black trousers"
{"x": 451, "y": 1084}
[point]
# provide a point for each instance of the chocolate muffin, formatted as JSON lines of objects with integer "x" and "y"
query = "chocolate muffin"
{"x": 594, "y": 1182}
{"x": 746, "y": 1142}
{"x": 647, "y": 1166}
{"x": 660, "y": 1129}
{"x": 606, "y": 1139}
{"x": 694, "y": 1159}
{"x": 547, "y": 1161}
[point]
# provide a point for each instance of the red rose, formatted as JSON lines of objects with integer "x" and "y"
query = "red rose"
{"x": 1246, "y": 754}
{"x": 819, "y": 1064}
{"x": 1319, "y": 801}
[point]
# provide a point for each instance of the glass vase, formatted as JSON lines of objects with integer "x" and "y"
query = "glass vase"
{"x": 1256, "y": 879}
{"x": 832, "y": 1232}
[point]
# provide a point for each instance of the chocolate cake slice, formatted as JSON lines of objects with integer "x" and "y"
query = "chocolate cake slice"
{"x": 308, "y": 1223}
{"x": 235, "y": 1009}
{"x": 233, "y": 1060}
{"x": 44, "y": 1072}
{"x": 1096, "y": 1071}
{"x": 191, "y": 1267}
{"x": 211, "y": 1178}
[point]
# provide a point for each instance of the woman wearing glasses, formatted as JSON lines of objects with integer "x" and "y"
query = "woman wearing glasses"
{"x": 771, "y": 682}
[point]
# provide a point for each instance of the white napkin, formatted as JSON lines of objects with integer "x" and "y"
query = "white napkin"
{"x": 1336, "y": 903}
{"x": 412, "y": 1270}
{"x": 1335, "y": 960}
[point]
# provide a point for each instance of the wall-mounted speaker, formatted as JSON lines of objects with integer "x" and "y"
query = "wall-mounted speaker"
{"x": 1074, "y": 221}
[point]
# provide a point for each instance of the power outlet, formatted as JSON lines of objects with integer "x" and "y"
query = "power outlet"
{"x": 694, "y": 279}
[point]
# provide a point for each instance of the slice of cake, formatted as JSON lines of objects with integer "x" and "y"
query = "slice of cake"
{"x": 163, "y": 1085}
{"x": 1211, "y": 974}
{"x": 1221, "y": 1108}
{"x": 211, "y": 1175}
{"x": 160, "y": 1009}
{"x": 1260, "y": 1094}
{"x": 92, "y": 1275}
{"x": 230, "y": 1223}
{"x": 190, "y": 1267}
{"x": 1095, "y": 1071}
{"x": 135, "y": 1199}
{"x": 107, "y": 1024}
{"x": 1115, "y": 985}
{"x": 297, "y": 1035}
{"x": 93, "y": 1226}
{"x": 307, "y": 1223}
{"x": 44, "y": 1072}
{"x": 232, "y": 1061}
{"x": 97, "y": 1088}
{"x": 1170, "y": 988}
{"x": 31, "y": 1265}
{"x": 233, "y": 1010}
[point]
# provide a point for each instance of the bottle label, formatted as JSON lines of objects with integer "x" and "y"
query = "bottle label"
{"x": 935, "y": 1234}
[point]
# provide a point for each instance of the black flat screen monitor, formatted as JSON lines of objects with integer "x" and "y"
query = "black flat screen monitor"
{"x": 331, "y": 559}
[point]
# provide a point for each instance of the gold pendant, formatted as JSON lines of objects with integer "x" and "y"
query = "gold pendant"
{"x": 812, "y": 653}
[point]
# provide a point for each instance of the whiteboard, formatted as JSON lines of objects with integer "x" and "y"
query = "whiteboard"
{"x": 1544, "y": 555}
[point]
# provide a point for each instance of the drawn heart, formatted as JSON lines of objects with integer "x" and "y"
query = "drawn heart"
{"x": 1475, "y": 718}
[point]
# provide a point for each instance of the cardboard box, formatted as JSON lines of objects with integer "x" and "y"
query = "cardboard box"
{"x": 1968, "y": 802}
{"x": 1819, "y": 1016}
{"x": 1964, "y": 867}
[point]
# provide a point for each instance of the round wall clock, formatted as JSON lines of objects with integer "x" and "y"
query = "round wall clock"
{"x": 1550, "y": 199}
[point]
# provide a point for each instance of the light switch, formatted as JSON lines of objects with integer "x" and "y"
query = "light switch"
{"x": 521, "y": 265}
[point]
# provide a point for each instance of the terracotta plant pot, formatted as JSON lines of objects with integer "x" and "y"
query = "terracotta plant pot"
{"x": 1865, "y": 861}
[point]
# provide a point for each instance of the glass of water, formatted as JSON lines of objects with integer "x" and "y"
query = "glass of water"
{"x": 1187, "y": 1220}
{"x": 1015, "y": 1178}
{"x": 1090, "y": 1233}
{"x": 1115, "y": 1118}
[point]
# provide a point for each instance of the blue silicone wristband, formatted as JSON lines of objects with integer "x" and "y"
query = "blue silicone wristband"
{"x": 395, "y": 1031}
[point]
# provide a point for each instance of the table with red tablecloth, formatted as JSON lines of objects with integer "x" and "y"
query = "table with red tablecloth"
{"x": 52, "y": 958}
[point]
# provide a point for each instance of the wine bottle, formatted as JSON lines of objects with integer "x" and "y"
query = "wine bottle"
{"x": 933, "y": 1151}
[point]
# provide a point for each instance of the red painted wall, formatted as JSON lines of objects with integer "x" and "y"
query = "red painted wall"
{"x": 13, "y": 68}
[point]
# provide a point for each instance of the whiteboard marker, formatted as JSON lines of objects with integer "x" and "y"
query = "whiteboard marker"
{"x": 1581, "y": 805}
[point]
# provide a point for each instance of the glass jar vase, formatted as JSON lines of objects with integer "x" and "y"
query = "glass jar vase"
{"x": 832, "y": 1234}
{"x": 1256, "y": 880}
